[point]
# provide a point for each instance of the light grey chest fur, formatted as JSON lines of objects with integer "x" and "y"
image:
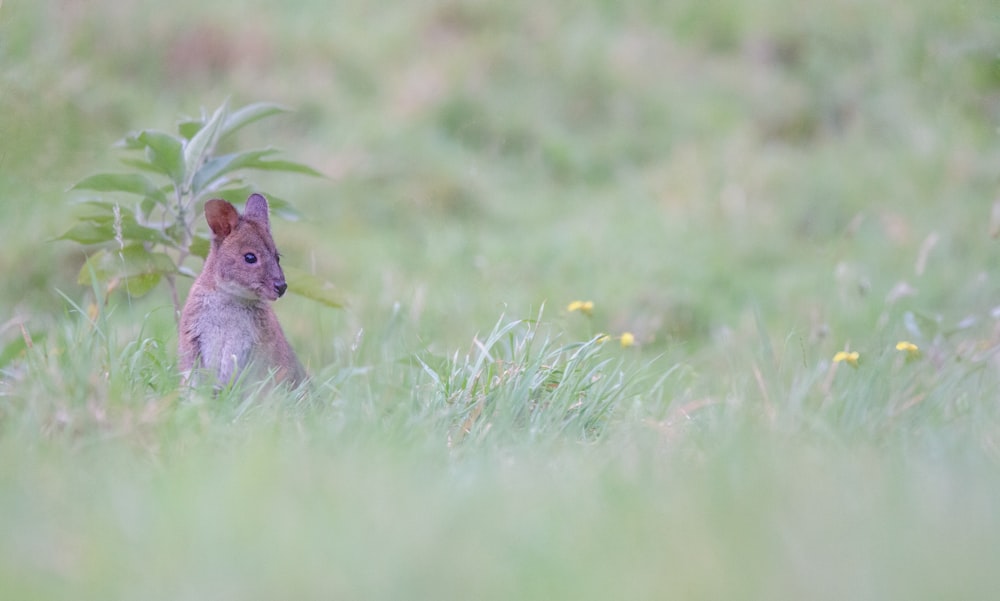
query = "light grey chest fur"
{"x": 229, "y": 340}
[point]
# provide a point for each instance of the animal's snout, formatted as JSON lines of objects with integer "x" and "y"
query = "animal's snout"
{"x": 280, "y": 288}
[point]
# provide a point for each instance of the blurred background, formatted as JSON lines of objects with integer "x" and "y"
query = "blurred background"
{"x": 685, "y": 165}
{"x": 748, "y": 187}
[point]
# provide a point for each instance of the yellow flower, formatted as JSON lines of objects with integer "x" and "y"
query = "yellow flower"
{"x": 850, "y": 358}
{"x": 585, "y": 307}
{"x": 627, "y": 339}
{"x": 912, "y": 351}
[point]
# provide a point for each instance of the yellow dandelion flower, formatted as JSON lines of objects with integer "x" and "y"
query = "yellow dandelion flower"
{"x": 912, "y": 351}
{"x": 627, "y": 339}
{"x": 585, "y": 307}
{"x": 848, "y": 357}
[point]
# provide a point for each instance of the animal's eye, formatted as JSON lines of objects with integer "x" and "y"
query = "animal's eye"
{"x": 250, "y": 258}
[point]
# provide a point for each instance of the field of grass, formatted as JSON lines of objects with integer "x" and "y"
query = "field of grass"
{"x": 747, "y": 188}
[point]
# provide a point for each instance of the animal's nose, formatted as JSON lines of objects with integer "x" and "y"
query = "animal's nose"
{"x": 280, "y": 288}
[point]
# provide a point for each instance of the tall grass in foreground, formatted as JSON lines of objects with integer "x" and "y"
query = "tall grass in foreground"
{"x": 521, "y": 381}
{"x": 527, "y": 466}
{"x": 524, "y": 381}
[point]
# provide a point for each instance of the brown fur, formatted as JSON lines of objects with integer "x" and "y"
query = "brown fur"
{"x": 227, "y": 323}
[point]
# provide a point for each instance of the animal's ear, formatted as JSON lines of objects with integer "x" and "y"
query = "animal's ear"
{"x": 222, "y": 218}
{"x": 256, "y": 209}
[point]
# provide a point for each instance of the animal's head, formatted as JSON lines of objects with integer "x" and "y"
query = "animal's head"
{"x": 242, "y": 257}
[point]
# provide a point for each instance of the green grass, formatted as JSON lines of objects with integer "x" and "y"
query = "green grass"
{"x": 748, "y": 188}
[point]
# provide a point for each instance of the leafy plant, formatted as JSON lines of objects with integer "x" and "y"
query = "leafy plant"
{"x": 148, "y": 240}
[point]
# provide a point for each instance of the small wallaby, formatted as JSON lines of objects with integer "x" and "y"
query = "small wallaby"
{"x": 227, "y": 323}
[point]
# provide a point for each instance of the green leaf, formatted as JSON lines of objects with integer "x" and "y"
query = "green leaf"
{"x": 202, "y": 144}
{"x": 131, "y": 183}
{"x": 199, "y": 246}
{"x": 140, "y": 164}
{"x": 95, "y": 210}
{"x": 165, "y": 153}
{"x": 141, "y": 284}
{"x": 309, "y": 286}
{"x": 188, "y": 128}
{"x": 146, "y": 206}
{"x": 250, "y": 113}
{"x": 134, "y": 268}
{"x": 130, "y": 142}
{"x": 97, "y": 225}
{"x": 287, "y": 166}
{"x": 133, "y": 231}
{"x": 216, "y": 167}
{"x": 89, "y": 232}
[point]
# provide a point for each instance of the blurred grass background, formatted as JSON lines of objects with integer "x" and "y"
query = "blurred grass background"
{"x": 748, "y": 187}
